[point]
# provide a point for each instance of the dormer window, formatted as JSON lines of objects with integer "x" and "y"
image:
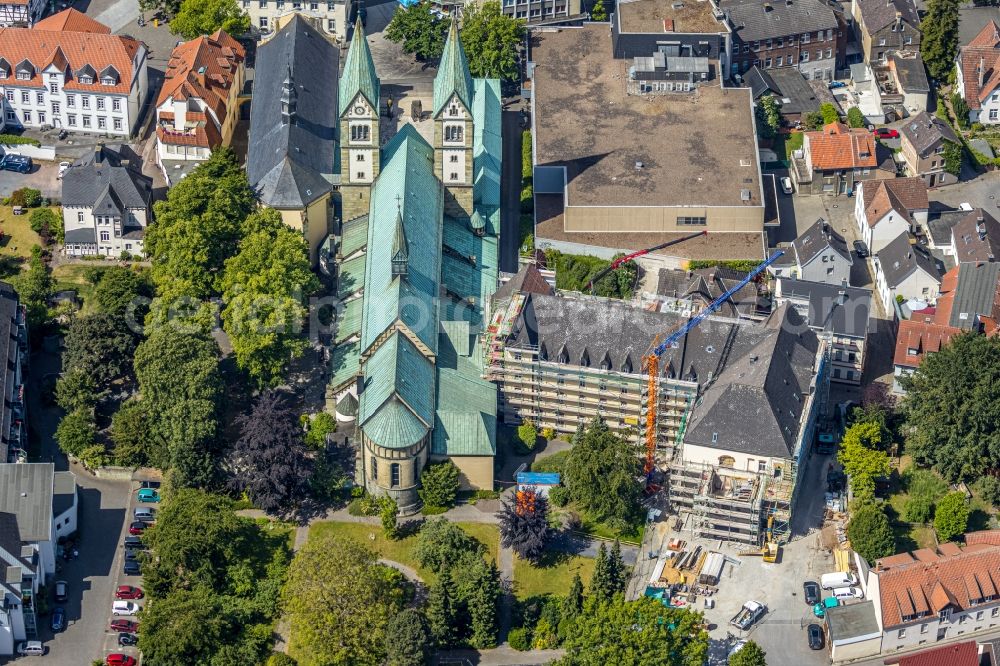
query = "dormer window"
{"x": 23, "y": 75}
{"x": 109, "y": 76}
{"x": 107, "y": 81}
{"x": 453, "y": 110}
{"x": 86, "y": 80}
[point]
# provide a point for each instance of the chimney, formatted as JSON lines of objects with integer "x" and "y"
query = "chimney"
{"x": 99, "y": 154}
{"x": 288, "y": 99}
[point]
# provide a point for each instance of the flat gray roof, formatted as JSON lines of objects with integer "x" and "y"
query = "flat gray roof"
{"x": 696, "y": 149}
{"x": 686, "y": 16}
{"x": 852, "y": 623}
{"x": 26, "y": 492}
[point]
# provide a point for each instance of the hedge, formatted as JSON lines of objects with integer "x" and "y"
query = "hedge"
{"x": 527, "y": 180}
{"x": 15, "y": 140}
{"x": 574, "y": 272}
{"x": 745, "y": 265}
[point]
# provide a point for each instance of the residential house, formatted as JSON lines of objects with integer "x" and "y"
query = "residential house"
{"x": 106, "y": 204}
{"x": 38, "y": 506}
{"x": 937, "y": 594}
{"x": 839, "y": 313}
{"x": 926, "y": 141}
{"x": 976, "y": 237}
{"x": 959, "y": 654}
{"x": 837, "y": 159}
{"x": 79, "y": 77}
{"x": 906, "y": 270}
{"x": 807, "y": 35}
{"x": 795, "y": 95}
{"x": 690, "y": 291}
{"x": 978, "y": 75}
{"x": 886, "y": 208}
{"x": 914, "y": 339}
{"x": 903, "y": 84}
{"x": 22, "y": 13}
{"x": 886, "y": 26}
{"x": 71, "y": 20}
{"x": 198, "y": 108}
{"x": 14, "y": 348}
{"x": 819, "y": 254}
{"x": 269, "y": 17}
{"x": 536, "y": 11}
{"x": 293, "y": 160}
{"x": 868, "y": 92}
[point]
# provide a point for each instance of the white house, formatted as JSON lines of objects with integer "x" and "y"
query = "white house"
{"x": 106, "y": 204}
{"x": 903, "y": 268}
{"x": 978, "y": 75}
{"x": 884, "y": 209}
{"x": 820, "y": 254}
{"x": 77, "y": 78}
{"x": 37, "y": 506}
{"x": 21, "y": 13}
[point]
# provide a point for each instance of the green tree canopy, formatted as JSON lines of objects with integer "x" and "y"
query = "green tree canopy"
{"x": 119, "y": 287}
{"x": 439, "y": 484}
{"x": 951, "y": 406}
{"x": 602, "y": 474}
{"x": 491, "y": 39}
{"x": 408, "y": 641}
{"x": 76, "y": 433}
{"x": 195, "y": 18}
{"x": 189, "y": 624}
{"x": 870, "y": 533}
{"x": 598, "y": 12}
{"x": 130, "y": 434}
{"x": 939, "y": 37}
{"x": 862, "y": 460}
{"x": 76, "y": 390}
{"x": 527, "y": 433}
{"x": 855, "y": 118}
{"x": 829, "y": 113}
{"x": 418, "y": 30}
{"x": 101, "y": 345}
{"x": 442, "y": 543}
{"x": 34, "y": 286}
{"x": 750, "y": 654}
{"x": 768, "y": 116}
{"x": 951, "y": 517}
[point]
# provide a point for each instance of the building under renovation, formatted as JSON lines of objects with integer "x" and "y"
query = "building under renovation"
{"x": 736, "y": 403}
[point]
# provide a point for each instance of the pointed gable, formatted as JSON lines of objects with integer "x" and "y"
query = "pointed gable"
{"x": 453, "y": 78}
{"x": 988, "y": 37}
{"x": 359, "y": 75}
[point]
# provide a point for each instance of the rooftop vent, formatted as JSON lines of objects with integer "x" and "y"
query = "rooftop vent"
{"x": 678, "y": 5}
{"x": 768, "y": 7}
{"x": 638, "y": 165}
{"x": 745, "y": 195}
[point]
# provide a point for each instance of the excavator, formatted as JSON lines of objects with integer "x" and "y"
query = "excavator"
{"x": 771, "y": 550}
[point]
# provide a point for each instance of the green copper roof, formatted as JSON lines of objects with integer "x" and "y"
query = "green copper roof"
{"x": 351, "y": 276}
{"x": 397, "y": 404}
{"x": 349, "y": 320}
{"x": 359, "y": 72}
{"x": 406, "y": 184}
{"x": 344, "y": 364}
{"x": 453, "y": 73}
{"x": 487, "y": 145}
{"x": 466, "y": 421}
{"x": 354, "y": 235}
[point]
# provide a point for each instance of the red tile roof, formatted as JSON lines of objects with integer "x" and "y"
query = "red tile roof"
{"x": 903, "y": 195}
{"x": 70, "y": 20}
{"x": 951, "y": 577}
{"x": 981, "y": 58}
{"x": 924, "y": 337}
{"x": 73, "y": 50}
{"x": 205, "y": 133}
{"x": 959, "y": 654}
{"x": 839, "y": 147}
{"x": 205, "y": 68}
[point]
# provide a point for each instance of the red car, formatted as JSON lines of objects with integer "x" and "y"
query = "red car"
{"x": 137, "y": 528}
{"x": 885, "y": 133}
{"x": 126, "y": 626}
{"x": 118, "y": 659}
{"x": 128, "y": 592}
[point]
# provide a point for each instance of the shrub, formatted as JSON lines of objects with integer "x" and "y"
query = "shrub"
{"x": 559, "y": 496}
{"x": 574, "y": 273}
{"x": 47, "y": 224}
{"x": 519, "y": 639}
{"x": 951, "y": 517}
{"x": 829, "y": 113}
{"x": 552, "y": 463}
{"x": 440, "y": 484}
{"x": 528, "y": 434}
{"x": 745, "y": 265}
{"x": 527, "y": 200}
{"x": 548, "y": 433}
{"x": 319, "y": 427}
{"x": 26, "y": 197}
{"x": 988, "y": 488}
{"x": 15, "y": 140}
{"x": 280, "y": 659}
{"x": 870, "y": 533}
{"x": 961, "y": 110}
{"x": 855, "y": 118}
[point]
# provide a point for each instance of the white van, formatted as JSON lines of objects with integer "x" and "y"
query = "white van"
{"x": 837, "y": 579}
{"x": 124, "y": 608}
{"x": 842, "y": 593}
{"x": 31, "y": 649}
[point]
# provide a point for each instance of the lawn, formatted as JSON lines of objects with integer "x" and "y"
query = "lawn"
{"x": 72, "y": 276}
{"x": 18, "y": 238}
{"x": 401, "y": 550}
{"x": 552, "y": 576}
{"x": 792, "y": 143}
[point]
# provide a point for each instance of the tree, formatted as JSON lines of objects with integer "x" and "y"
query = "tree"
{"x": 617, "y": 572}
{"x": 600, "y": 581}
{"x": 165, "y": 7}
{"x": 76, "y": 433}
{"x": 102, "y": 345}
{"x": 203, "y": 17}
{"x": 829, "y": 113}
{"x": 961, "y": 109}
{"x": 524, "y": 524}
{"x": 750, "y": 654}
{"x": 924, "y": 488}
{"x": 572, "y": 604}
{"x": 441, "y": 543}
{"x": 598, "y": 12}
{"x": 482, "y": 608}
{"x": 439, "y": 484}
{"x": 602, "y": 474}
{"x": 953, "y": 153}
{"x": 952, "y": 402}
{"x": 813, "y": 120}
{"x": 855, "y": 118}
{"x": 635, "y": 632}
{"x": 768, "y": 115}
{"x": 418, "y": 30}
{"x": 988, "y": 488}
{"x": 388, "y": 514}
{"x": 870, "y": 533}
{"x": 118, "y": 288}
{"x": 939, "y": 37}
{"x": 408, "y": 641}
{"x": 34, "y": 286}
{"x": 130, "y": 434}
{"x": 46, "y": 223}
{"x": 184, "y": 627}
{"x": 491, "y": 39}
{"x": 527, "y": 433}
{"x": 951, "y": 517}
{"x": 320, "y": 426}
{"x": 268, "y": 460}
{"x": 441, "y": 610}
{"x": 75, "y": 390}
{"x": 862, "y": 461}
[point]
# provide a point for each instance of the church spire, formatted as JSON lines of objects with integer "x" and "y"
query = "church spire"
{"x": 359, "y": 72}
{"x": 453, "y": 73}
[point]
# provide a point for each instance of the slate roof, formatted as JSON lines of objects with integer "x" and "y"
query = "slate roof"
{"x": 71, "y": 20}
{"x": 977, "y": 294}
{"x": 878, "y": 14}
{"x": 707, "y": 284}
{"x": 359, "y": 74}
{"x": 453, "y": 76}
{"x": 838, "y": 146}
{"x": 903, "y": 195}
{"x": 81, "y": 236}
{"x": 528, "y": 280}
{"x": 982, "y": 52}
{"x": 850, "y": 306}
{"x": 752, "y": 22}
{"x": 789, "y": 87}
{"x": 26, "y": 492}
{"x": 977, "y": 237}
{"x": 755, "y": 405}
{"x": 99, "y": 178}
{"x": 816, "y": 239}
{"x": 293, "y": 164}
{"x": 939, "y": 225}
{"x": 900, "y": 258}
{"x": 924, "y": 131}
{"x": 921, "y": 336}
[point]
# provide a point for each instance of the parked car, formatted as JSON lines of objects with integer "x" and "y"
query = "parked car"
{"x": 137, "y": 528}
{"x": 125, "y": 626}
{"x": 149, "y": 495}
{"x": 58, "y": 622}
{"x": 831, "y": 581}
{"x": 144, "y": 515}
{"x": 31, "y": 649}
{"x": 737, "y": 647}
{"x": 131, "y": 555}
{"x": 18, "y": 163}
{"x": 816, "y": 641}
{"x": 62, "y": 169}
{"x": 748, "y": 615}
{"x": 60, "y": 591}
{"x": 819, "y": 610}
{"x": 885, "y": 133}
{"x": 126, "y": 640}
{"x": 124, "y": 608}
{"x": 837, "y": 84}
{"x": 118, "y": 659}
{"x": 786, "y": 185}
{"x": 848, "y": 593}
{"x": 155, "y": 485}
{"x": 132, "y": 568}
{"x": 128, "y": 592}
{"x": 811, "y": 591}
{"x": 861, "y": 248}
{"x": 133, "y": 542}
